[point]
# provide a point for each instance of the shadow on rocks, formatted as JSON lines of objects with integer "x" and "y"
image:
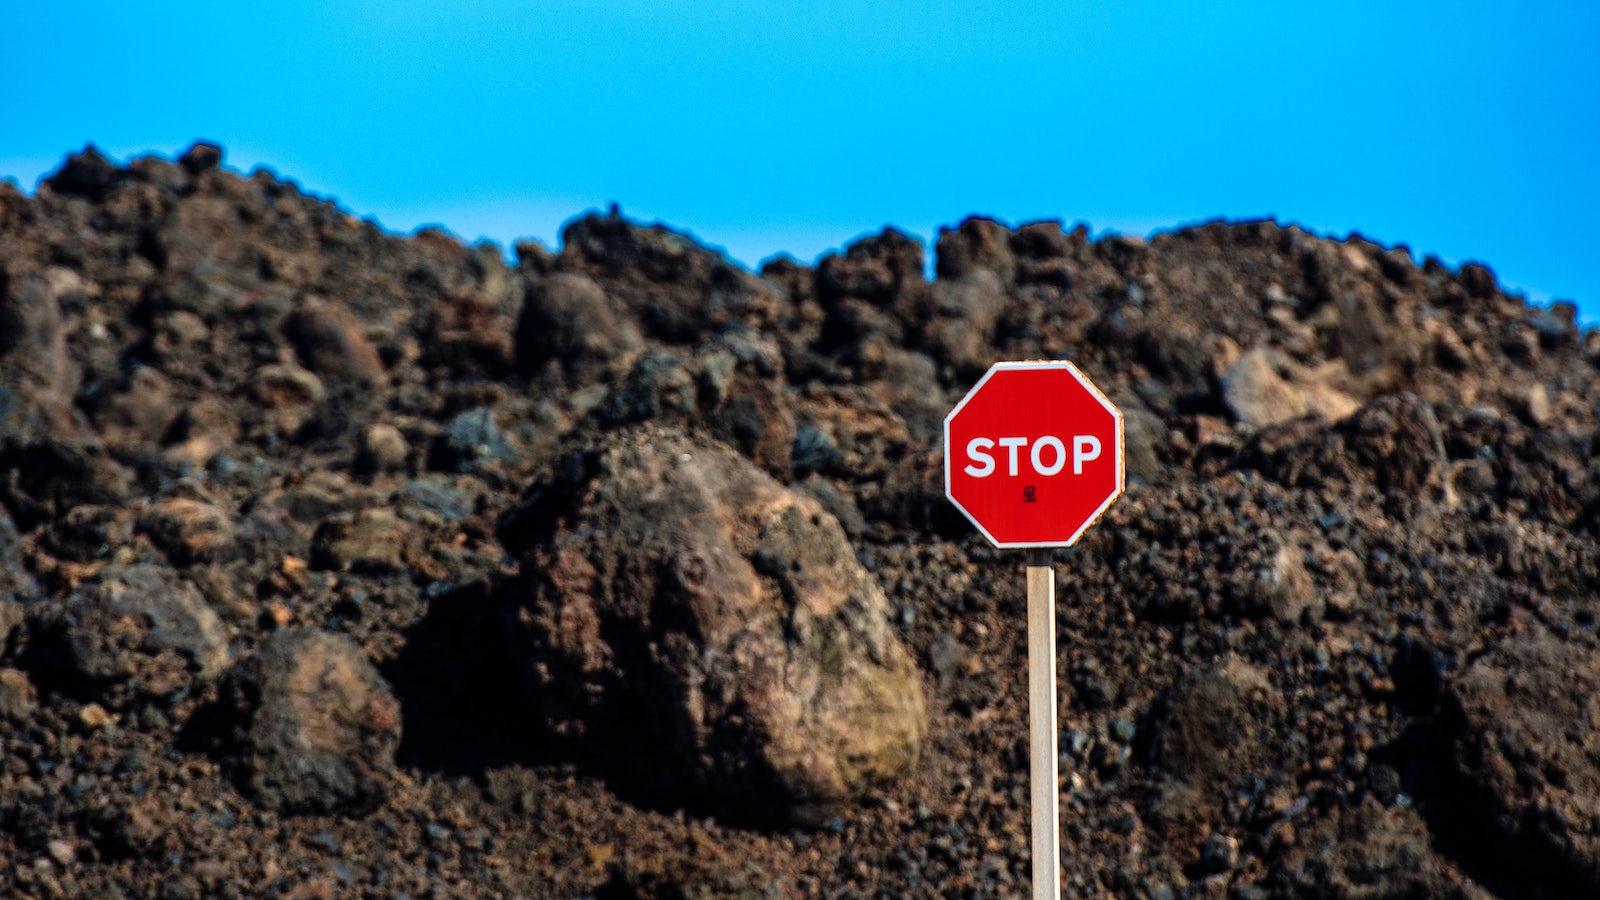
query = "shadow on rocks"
{"x": 464, "y": 714}
{"x": 1444, "y": 771}
{"x": 467, "y": 713}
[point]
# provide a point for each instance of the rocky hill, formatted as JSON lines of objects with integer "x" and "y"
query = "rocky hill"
{"x": 338, "y": 563}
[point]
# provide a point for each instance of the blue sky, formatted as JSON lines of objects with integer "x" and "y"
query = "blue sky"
{"x": 1466, "y": 130}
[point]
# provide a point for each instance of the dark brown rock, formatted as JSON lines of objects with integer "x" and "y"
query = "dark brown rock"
{"x": 331, "y": 342}
{"x": 87, "y": 174}
{"x": 874, "y": 269}
{"x": 1372, "y": 851}
{"x": 135, "y": 633}
{"x": 43, "y": 480}
{"x": 571, "y": 320}
{"x": 1201, "y": 722}
{"x": 1395, "y": 441}
{"x": 1525, "y": 751}
{"x": 976, "y": 244}
{"x": 190, "y": 530}
{"x": 676, "y": 579}
{"x": 473, "y": 333}
{"x": 1218, "y": 736}
{"x": 88, "y": 533}
{"x": 1145, "y": 437}
{"x": 1398, "y": 439}
{"x": 675, "y": 289}
{"x": 140, "y": 413}
{"x": 317, "y": 725}
{"x": 961, "y": 330}
{"x": 201, "y": 156}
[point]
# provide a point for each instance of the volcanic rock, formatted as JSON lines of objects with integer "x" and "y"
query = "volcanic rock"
{"x": 471, "y": 437}
{"x": 570, "y": 319}
{"x": 674, "y": 580}
{"x": 1525, "y": 750}
{"x": 330, "y": 341}
{"x": 191, "y": 530}
{"x": 135, "y": 633}
{"x": 40, "y": 481}
{"x": 369, "y": 540}
{"x": 1284, "y": 588}
{"x": 17, "y": 695}
{"x": 381, "y": 448}
{"x": 38, "y": 375}
{"x": 1312, "y": 651}
{"x": 317, "y": 727}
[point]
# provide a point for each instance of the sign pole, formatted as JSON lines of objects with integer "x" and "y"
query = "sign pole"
{"x": 1042, "y": 725}
{"x": 1033, "y": 455}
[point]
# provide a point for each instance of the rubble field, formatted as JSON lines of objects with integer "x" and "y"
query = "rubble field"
{"x": 337, "y": 563}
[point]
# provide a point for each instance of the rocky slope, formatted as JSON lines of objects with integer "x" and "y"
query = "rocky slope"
{"x": 337, "y": 563}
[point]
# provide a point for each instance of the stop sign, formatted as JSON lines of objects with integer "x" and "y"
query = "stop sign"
{"x": 1033, "y": 454}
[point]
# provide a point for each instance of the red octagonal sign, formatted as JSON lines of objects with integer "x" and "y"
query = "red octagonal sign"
{"x": 1033, "y": 454}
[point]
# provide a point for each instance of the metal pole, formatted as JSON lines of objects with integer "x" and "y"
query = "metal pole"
{"x": 1042, "y": 726}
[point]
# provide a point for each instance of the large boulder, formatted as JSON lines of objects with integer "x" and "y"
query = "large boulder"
{"x": 677, "y": 598}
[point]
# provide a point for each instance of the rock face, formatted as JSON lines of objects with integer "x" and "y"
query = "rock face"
{"x": 678, "y": 590}
{"x": 317, "y": 726}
